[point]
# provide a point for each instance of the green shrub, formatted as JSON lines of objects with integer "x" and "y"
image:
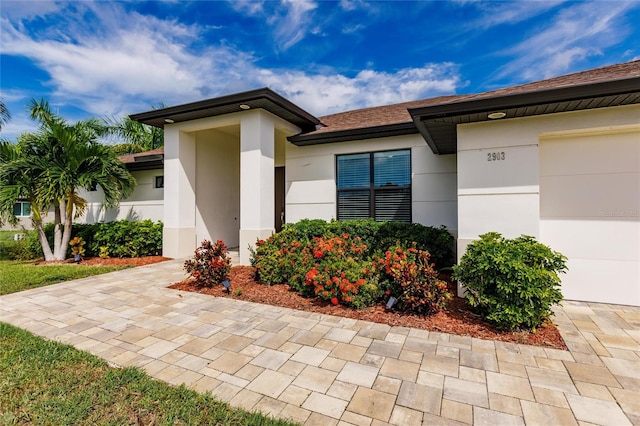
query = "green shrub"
{"x": 378, "y": 236}
{"x": 11, "y": 249}
{"x": 32, "y": 248}
{"x": 437, "y": 241}
{"x": 333, "y": 261}
{"x": 511, "y": 282}
{"x": 210, "y": 265}
{"x": 123, "y": 238}
{"x": 267, "y": 261}
{"x": 409, "y": 276}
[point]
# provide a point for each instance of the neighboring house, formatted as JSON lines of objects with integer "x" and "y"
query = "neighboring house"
{"x": 557, "y": 159}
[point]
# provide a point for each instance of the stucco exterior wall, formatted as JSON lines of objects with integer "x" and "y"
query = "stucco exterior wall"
{"x": 311, "y": 180}
{"x": 504, "y": 194}
{"x": 217, "y": 187}
{"x": 146, "y": 202}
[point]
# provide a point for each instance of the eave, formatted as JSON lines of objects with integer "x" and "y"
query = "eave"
{"x": 354, "y": 134}
{"x": 255, "y": 99}
{"x": 437, "y": 123}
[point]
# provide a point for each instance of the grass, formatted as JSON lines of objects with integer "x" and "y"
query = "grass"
{"x": 23, "y": 275}
{"x": 45, "y": 382}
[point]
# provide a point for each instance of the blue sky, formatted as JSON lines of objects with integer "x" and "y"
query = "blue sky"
{"x": 113, "y": 58}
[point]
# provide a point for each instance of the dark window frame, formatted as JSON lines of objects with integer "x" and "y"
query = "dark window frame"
{"x": 373, "y": 190}
{"x": 157, "y": 179}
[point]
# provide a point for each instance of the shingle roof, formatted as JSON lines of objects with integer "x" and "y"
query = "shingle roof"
{"x": 397, "y": 113}
{"x": 131, "y": 158}
{"x": 596, "y": 75}
{"x": 378, "y": 115}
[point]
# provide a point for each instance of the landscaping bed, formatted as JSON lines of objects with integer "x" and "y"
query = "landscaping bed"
{"x": 112, "y": 261}
{"x": 456, "y": 318}
{"x": 124, "y": 261}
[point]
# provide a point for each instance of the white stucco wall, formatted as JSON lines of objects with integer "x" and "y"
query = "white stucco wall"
{"x": 311, "y": 180}
{"x": 146, "y": 202}
{"x": 219, "y": 174}
{"x": 504, "y": 195}
{"x": 217, "y": 187}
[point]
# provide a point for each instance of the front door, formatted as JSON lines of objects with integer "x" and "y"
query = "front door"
{"x": 279, "y": 198}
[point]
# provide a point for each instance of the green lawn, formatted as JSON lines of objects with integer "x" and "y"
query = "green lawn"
{"x": 44, "y": 382}
{"x": 22, "y": 275}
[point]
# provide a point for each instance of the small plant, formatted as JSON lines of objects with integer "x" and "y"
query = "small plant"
{"x": 411, "y": 278}
{"x": 210, "y": 265}
{"x": 104, "y": 252}
{"x": 237, "y": 292}
{"x": 511, "y": 282}
{"x": 77, "y": 248}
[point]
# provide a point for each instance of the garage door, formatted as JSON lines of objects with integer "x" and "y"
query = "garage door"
{"x": 590, "y": 212}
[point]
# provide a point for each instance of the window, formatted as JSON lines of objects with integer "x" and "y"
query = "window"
{"x": 376, "y": 185}
{"x": 22, "y": 209}
{"x": 159, "y": 183}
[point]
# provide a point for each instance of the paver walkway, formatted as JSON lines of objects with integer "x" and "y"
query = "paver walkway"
{"x": 326, "y": 370}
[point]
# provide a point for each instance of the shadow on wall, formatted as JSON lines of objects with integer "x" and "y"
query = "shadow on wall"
{"x": 110, "y": 215}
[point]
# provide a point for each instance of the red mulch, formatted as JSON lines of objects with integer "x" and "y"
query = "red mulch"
{"x": 457, "y": 318}
{"x": 114, "y": 261}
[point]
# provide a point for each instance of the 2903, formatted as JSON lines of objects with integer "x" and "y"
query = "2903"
{"x": 495, "y": 156}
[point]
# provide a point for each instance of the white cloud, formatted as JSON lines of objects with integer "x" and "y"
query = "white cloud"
{"x": 251, "y": 7}
{"x": 293, "y": 26}
{"x": 577, "y": 32}
{"x": 351, "y": 5}
{"x": 290, "y": 20}
{"x": 327, "y": 94}
{"x": 509, "y": 12}
{"x": 131, "y": 57}
{"x": 131, "y": 61}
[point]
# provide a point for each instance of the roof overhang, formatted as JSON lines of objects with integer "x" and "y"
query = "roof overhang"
{"x": 149, "y": 160}
{"x": 438, "y": 123}
{"x": 354, "y": 134}
{"x": 255, "y": 99}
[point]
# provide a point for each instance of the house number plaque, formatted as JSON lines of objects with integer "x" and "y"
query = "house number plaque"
{"x": 496, "y": 156}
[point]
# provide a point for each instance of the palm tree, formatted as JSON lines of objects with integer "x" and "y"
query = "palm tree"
{"x": 4, "y": 114}
{"x": 139, "y": 137}
{"x": 48, "y": 167}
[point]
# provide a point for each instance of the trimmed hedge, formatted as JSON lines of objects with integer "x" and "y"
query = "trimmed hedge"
{"x": 357, "y": 263}
{"x": 121, "y": 238}
{"x": 378, "y": 236}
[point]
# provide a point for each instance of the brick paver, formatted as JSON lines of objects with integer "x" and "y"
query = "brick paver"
{"x": 319, "y": 369}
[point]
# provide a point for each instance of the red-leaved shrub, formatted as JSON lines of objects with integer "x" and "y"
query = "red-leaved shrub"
{"x": 412, "y": 280}
{"x": 210, "y": 265}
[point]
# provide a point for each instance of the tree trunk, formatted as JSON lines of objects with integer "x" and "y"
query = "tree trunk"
{"x": 46, "y": 249}
{"x": 68, "y": 223}
{"x": 57, "y": 231}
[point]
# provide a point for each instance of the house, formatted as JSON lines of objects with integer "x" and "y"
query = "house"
{"x": 557, "y": 159}
{"x": 147, "y": 200}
